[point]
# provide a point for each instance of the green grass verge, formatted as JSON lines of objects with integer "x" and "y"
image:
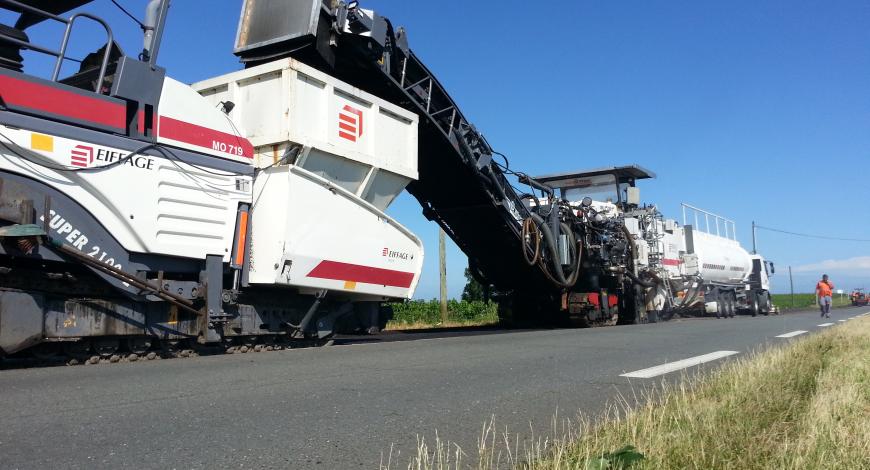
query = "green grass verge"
{"x": 805, "y": 301}
{"x": 427, "y": 314}
{"x": 802, "y": 406}
{"x": 805, "y": 405}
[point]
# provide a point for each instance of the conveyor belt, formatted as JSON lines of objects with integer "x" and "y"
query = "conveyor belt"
{"x": 460, "y": 186}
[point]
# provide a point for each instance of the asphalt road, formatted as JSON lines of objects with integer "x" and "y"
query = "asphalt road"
{"x": 344, "y": 406}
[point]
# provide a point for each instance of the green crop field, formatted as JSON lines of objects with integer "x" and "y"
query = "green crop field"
{"x": 427, "y": 314}
{"x": 804, "y": 301}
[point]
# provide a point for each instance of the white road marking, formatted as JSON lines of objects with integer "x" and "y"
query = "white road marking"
{"x": 826, "y": 324}
{"x": 842, "y": 320}
{"x": 792, "y": 334}
{"x": 674, "y": 366}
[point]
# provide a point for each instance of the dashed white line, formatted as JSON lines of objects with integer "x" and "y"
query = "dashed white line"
{"x": 792, "y": 334}
{"x": 674, "y": 366}
{"x": 842, "y": 321}
{"x": 826, "y": 324}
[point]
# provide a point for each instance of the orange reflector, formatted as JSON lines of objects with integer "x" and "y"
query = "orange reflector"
{"x": 243, "y": 236}
{"x": 349, "y": 285}
{"x": 42, "y": 142}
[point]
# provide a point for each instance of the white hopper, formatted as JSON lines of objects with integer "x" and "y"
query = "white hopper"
{"x": 317, "y": 217}
{"x": 360, "y": 142}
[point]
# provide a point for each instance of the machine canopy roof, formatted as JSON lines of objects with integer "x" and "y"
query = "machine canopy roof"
{"x": 622, "y": 174}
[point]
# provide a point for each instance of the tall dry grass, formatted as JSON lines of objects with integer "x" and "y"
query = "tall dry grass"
{"x": 805, "y": 405}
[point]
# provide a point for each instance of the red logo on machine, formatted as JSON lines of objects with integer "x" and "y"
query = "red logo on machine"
{"x": 350, "y": 123}
{"x": 81, "y": 156}
{"x": 388, "y": 253}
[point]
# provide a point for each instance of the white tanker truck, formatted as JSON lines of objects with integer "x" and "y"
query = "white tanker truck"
{"x": 698, "y": 267}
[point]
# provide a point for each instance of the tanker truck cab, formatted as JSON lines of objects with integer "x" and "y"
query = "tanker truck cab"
{"x": 761, "y": 272}
{"x": 758, "y": 288}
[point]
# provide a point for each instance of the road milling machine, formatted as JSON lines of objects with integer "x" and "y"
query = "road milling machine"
{"x": 135, "y": 215}
{"x": 248, "y": 210}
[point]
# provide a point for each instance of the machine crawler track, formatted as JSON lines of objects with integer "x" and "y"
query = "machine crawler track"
{"x": 90, "y": 352}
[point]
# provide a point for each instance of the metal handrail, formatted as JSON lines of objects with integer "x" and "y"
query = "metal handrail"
{"x": 65, "y": 43}
{"x": 61, "y": 54}
{"x": 727, "y": 225}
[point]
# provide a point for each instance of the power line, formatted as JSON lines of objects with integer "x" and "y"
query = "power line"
{"x": 132, "y": 17}
{"x": 806, "y": 235}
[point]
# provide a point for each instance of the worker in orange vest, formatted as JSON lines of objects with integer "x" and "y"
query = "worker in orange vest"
{"x": 824, "y": 292}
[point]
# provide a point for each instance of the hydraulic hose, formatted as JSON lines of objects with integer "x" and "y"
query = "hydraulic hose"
{"x": 630, "y": 272}
{"x": 309, "y": 315}
{"x": 630, "y": 240}
{"x": 532, "y": 233}
{"x": 689, "y": 299}
{"x": 639, "y": 281}
{"x": 551, "y": 244}
{"x": 558, "y": 274}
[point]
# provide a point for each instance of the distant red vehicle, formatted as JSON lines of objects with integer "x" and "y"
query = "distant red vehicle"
{"x": 859, "y": 297}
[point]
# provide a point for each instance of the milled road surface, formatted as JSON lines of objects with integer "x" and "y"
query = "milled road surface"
{"x": 342, "y": 407}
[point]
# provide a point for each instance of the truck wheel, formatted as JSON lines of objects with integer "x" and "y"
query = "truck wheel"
{"x": 754, "y": 305}
{"x": 734, "y": 307}
{"x": 721, "y": 305}
{"x": 732, "y": 311}
{"x": 764, "y": 303}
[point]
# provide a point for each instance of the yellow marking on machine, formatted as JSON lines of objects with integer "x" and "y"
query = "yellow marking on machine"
{"x": 41, "y": 142}
{"x": 349, "y": 285}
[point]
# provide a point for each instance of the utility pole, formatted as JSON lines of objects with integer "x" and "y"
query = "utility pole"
{"x": 754, "y": 249}
{"x": 791, "y": 283}
{"x": 442, "y": 264}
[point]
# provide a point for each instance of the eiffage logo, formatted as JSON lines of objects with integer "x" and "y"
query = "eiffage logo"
{"x": 81, "y": 156}
{"x": 350, "y": 123}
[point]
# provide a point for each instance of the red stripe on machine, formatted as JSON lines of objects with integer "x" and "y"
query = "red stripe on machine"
{"x": 671, "y": 262}
{"x": 353, "y": 272}
{"x": 30, "y": 95}
{"x": 205, "y": 137}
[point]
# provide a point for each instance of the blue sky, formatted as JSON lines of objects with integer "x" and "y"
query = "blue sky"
{"x": 753, "y": 110}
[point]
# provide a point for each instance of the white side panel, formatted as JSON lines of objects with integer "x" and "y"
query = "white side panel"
{"x": 398, "y": 153}
{"x": 187, "y": 121}
{"x": 673, "y": 245}
{"x": 149, "y": 204}
{"x": 286, "y": 103}
{"x": 258, "y": 100}
{"x": 309, "y": 108}
{"x": 310, "y": 234}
